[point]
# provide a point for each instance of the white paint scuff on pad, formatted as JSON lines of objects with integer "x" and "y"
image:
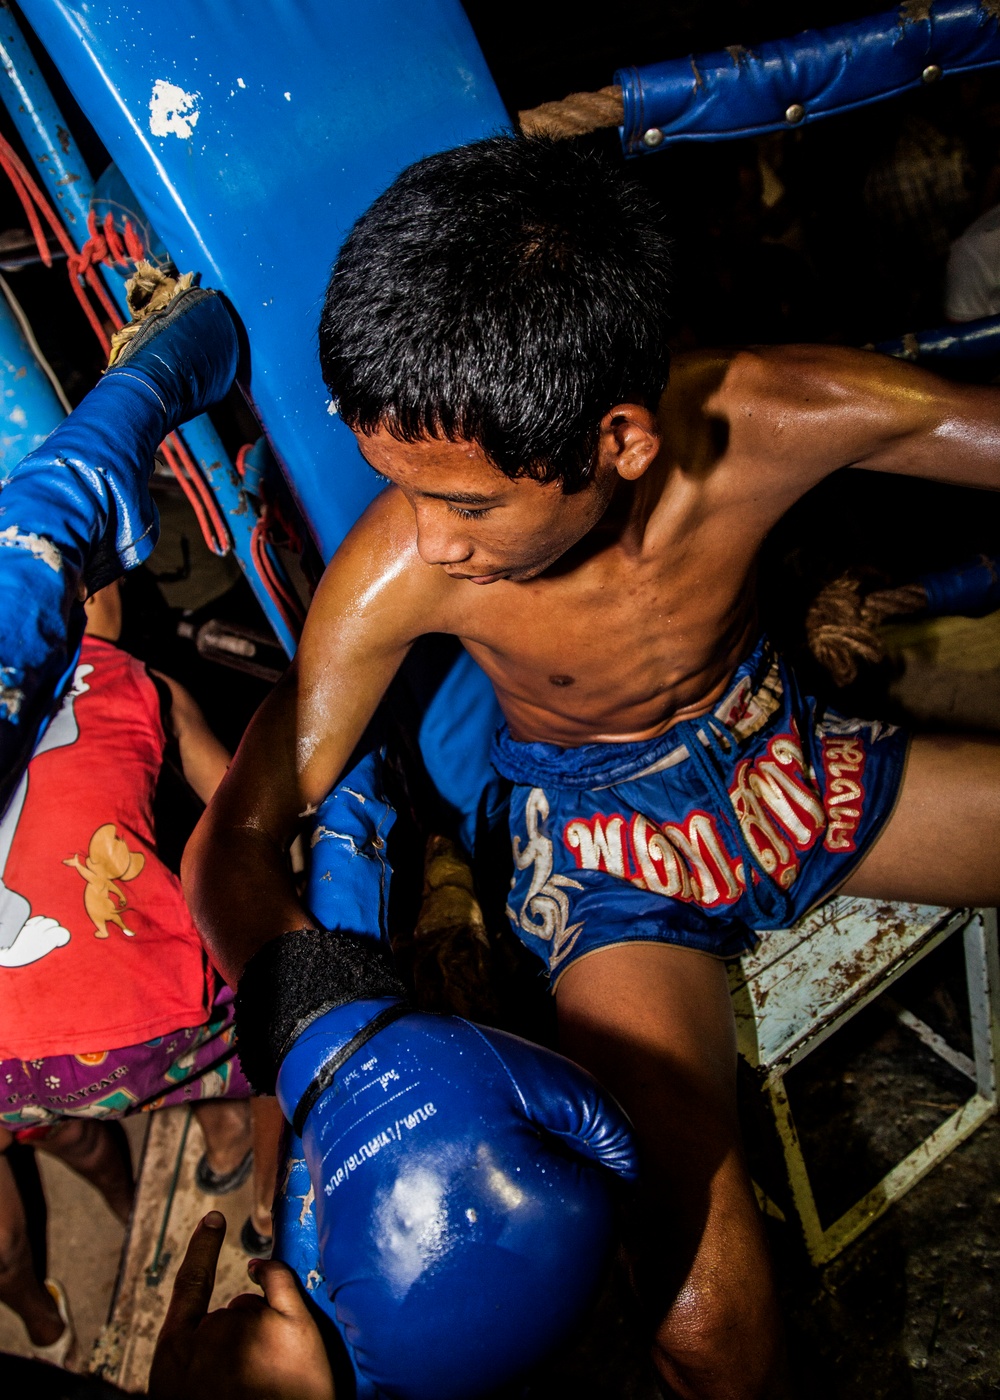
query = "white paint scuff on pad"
{"x": 172, "y": 111}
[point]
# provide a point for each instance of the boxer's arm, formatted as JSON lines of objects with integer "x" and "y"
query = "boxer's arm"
{"x": 374, "y": 599}
{"x": 802, "y": 412}
{"x": 204, "y": 759}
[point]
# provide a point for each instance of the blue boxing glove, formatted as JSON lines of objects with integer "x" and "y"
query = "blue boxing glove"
{"x": 77, "y": 510}
{"x": 449, "y": 1205}
{"x": 463, "y": 1211}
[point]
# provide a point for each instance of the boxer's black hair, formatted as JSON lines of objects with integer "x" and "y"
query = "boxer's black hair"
{"x": 507, "y": 293}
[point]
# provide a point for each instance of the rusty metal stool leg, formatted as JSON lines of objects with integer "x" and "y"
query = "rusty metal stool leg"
{"x": 759, "y": 1002}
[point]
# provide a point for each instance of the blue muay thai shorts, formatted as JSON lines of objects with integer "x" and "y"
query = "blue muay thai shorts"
{"x": 737, "y": 821}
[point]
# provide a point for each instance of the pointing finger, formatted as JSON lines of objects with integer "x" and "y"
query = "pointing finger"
{"x": 195, "y": 1279}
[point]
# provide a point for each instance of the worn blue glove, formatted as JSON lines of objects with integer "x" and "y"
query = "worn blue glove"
{"x": 446, "y": 1198}
{"x": 77, "y": 510}
{"x": 462, "y": 1206}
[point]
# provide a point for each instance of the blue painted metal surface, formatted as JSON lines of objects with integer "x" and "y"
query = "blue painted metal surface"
{"x": 786, "y": 82}
{"x": 973, "y": 340}
{"x": 43, "y": 129}
{"x": 29, "y": 408}
{"x": 67, "y": 179}
{"x": 253, "y": 135}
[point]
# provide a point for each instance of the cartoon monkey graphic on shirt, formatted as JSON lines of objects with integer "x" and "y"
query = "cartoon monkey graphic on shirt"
{"x": 109, "y": 859}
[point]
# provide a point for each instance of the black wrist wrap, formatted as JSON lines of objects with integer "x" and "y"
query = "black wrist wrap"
{"x": 293, "y": 980}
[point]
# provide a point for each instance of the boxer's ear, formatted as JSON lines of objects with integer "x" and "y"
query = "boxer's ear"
{"x": 629, "y": 440}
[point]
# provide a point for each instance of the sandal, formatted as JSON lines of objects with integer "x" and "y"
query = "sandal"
{"x": 221, "y": 1183}
{"x": 63, "y": 1349}
{"x": 254, "y": 1242}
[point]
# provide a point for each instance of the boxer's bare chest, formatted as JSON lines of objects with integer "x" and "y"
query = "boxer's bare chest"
{"x": 622, "y": 644}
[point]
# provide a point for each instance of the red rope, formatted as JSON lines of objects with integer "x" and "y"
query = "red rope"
{"x": 134, "y": 245}
{"x": 281, "y": 593}
{"x": 80, "y": 264}
{"x": 241, "y": 459}
{"x": 219, "y": 526}
{"x": 198, "y": 492}
{"x": 116, "y": 251}
{"x": 272, "y": 575}
{"x": 105, "y": 245}
{"x": 276, "y": 583}
{"x": 182, "y": 480}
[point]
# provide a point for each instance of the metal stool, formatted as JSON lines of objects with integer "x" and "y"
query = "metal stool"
{"x": 802, "y": 983}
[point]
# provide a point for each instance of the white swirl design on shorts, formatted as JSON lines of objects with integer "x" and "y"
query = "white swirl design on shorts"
{"x": 544, "y": 911}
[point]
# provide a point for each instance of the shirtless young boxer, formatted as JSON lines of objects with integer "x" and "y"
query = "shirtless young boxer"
{"x": 496, "y": 335}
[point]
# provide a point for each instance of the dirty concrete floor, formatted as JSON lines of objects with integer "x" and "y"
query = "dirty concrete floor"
{"x": 911, "y": 1309}
{"x": 85, "y": 1248}
{"x": 85, "y": 1240}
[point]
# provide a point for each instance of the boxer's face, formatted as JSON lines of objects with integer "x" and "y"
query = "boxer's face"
{"x": 476, "y": 523}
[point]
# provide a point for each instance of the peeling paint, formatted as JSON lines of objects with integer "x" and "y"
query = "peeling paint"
{"x": 37, "y": 545}
{"x": 290, "y": 1166}
{"x": 172, "y": 111}
{"x": 308, "y": 1201}
{"x": 832, "y": 960}
{"x": 324, "y": 833}
{"x": 699, "y": 81}
{"x": 313, "y": 1280}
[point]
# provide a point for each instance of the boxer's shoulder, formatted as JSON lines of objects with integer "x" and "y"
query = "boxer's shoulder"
{"x": 377, "y": 577}
{"x": 802, "y": 411}
{"x": 767, "y": 382}
{"x": 784, "y": 387}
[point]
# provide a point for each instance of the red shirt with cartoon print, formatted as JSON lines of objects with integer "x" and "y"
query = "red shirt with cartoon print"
{"x": 97, "y": 948}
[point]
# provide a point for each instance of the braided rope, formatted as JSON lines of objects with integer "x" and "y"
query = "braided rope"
{"x": 842, "y": 625}
{"x": 575, "y": 115}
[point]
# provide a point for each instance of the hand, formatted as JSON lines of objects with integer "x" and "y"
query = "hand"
{"x": 266, "y": 1347}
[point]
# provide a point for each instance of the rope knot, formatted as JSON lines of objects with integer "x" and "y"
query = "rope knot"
{"x": 106, "y": 245}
